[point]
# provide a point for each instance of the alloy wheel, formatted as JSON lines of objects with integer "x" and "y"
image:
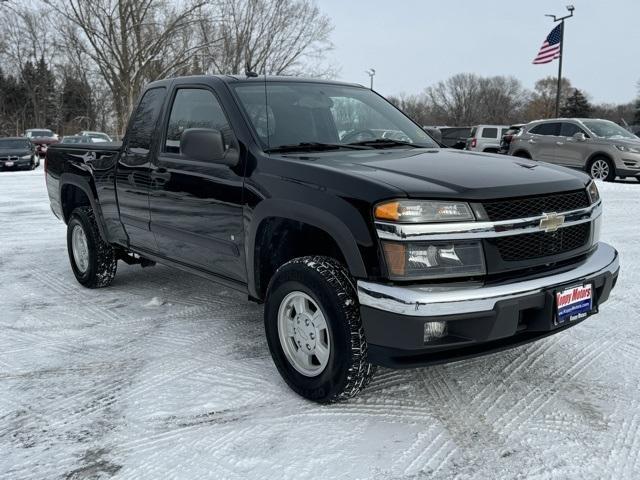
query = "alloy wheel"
{"x": 600, "y": 169}
{"x": 80, "y": 248}
{"x": 304, "y": 334}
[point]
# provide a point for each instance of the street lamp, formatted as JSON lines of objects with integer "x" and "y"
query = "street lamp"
{"x": 372, "y": 73}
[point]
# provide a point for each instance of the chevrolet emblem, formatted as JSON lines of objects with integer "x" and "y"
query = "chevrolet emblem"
{"x": 551, "y": 222}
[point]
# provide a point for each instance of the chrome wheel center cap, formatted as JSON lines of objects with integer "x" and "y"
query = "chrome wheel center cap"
{"x": 305, "y": 333}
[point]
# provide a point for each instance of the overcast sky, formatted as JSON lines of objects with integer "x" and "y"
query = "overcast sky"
{"x": 414, "y": 43}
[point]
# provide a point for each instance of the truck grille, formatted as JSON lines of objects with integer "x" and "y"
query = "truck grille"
{"x": 543, "y": 244}
{"x": 535, "y": 206}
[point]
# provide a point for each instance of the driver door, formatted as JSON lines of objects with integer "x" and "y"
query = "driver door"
{"x": 196, "y": 206}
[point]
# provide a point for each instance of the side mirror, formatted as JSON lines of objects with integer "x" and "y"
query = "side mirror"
{"x": 579, "y": 136}
{"x": 206, "y": 145}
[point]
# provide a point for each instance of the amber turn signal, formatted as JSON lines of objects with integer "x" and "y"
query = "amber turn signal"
{"x": 395, "y": 253}
{"x": 387, "y": 211}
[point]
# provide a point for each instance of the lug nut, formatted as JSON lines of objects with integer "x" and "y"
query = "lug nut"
{"x": 312, "y": 336}
{"x": 308, "y": 347}
{"x": 306, "y": 322}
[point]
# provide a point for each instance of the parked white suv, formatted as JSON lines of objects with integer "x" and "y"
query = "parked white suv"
{"x": 486, "y": 138}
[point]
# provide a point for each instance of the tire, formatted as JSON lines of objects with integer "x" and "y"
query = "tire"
{"x": 601, "y": 168}
{"x": 325, "y": 283}
{"x": 95, "y": 263}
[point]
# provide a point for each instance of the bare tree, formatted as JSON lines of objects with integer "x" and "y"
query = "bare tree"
{"x": 129, "y": 42}
{"x": 416, "y": 107}
{"x": 501, "y": 100}
{"x": 24, "y": 42}
{"x": 455, "y": 100}
{"x": 267, "y": 36}
{"x": 543, "y": 99}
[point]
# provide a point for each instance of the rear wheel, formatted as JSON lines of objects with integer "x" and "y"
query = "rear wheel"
{"x": 93, "y": 260}
{"x": 314, "y": 332}
{"x": 602, "y": 168}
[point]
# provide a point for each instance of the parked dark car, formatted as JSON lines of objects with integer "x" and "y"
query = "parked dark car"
{"x": 16, "y": 153}
{"x": 455, "y": 137}
{"x": 365, "y": 250}
{"x": 505, "y": 143}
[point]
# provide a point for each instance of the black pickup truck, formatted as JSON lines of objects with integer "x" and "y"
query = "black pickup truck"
{"x": 368, "y": 243}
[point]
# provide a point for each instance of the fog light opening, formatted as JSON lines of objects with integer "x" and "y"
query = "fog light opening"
{"x": 434, "y": 331}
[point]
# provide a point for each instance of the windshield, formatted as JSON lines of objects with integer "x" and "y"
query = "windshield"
{"x": 607, "y": 129}
{"x": 316, "y": 113}
{"x": 15, "y": 145}
{"x": 40, "y": 133}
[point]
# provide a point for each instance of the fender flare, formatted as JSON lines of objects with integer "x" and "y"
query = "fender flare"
{"x": 88, "y": 188}
{"x": 310, "y": 215}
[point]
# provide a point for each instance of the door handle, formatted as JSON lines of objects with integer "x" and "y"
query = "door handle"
{"x": 559, "y": 143}
{"x": 532, "y": 141}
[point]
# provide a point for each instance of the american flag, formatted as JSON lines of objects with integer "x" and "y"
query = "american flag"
{"x": 550, "y": 49}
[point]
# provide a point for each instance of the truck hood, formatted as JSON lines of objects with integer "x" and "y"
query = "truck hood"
{"x": 453, "y": 173}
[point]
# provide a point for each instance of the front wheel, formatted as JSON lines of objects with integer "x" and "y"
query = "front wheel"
{"x": 314, "y": 332}
{"x": 602, "y": 168}
{"x": 93, "y": 260}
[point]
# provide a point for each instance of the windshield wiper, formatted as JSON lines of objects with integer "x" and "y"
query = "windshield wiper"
{"x": 386, "y": 142}
{"x": 314, "y": 146}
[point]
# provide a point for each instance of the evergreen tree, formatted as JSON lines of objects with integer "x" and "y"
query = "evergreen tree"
{"x": 636, "y": 116}
{"x": 576, "y": 106}
{"x": 77, "y": 109}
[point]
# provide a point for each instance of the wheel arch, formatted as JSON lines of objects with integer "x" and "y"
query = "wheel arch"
{"x": 323, "y": 232}
{"x": 77, "y": 191}
{"x": 597, "y": 154}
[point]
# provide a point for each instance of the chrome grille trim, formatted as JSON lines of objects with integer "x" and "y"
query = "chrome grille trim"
{"x": 479, "y": 230}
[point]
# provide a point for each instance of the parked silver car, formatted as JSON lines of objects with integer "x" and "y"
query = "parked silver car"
{"x": 602, "y": 148}
{"x": 486, "y": 138}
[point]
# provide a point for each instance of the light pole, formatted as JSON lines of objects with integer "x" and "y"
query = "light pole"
{"x": 571, "y": 9}
{"x": 372, "y": 73}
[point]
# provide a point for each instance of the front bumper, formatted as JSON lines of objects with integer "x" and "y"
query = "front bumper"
{"x": 480, "y": 318}
{"x": 19, "y": 163}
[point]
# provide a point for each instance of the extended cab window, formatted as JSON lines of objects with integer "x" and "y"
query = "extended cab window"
{"x": 546, "y": 129}
{"x": 195, "y": 108}
{"x": 489, "y": 133}
{"x": 143, "y": 121}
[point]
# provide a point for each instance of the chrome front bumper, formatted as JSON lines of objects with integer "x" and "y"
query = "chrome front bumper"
{"x": 435, "y": 301}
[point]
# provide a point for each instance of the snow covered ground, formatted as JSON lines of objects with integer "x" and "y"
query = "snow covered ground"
{"x": 164, "y": 375}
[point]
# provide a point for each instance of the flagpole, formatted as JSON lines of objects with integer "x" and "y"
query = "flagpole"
{"x": 560, "y": 68}
{"x": 571, "y": 9}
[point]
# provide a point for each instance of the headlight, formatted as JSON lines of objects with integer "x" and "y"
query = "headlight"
{"x": 625, "y": 148}
{"x": 592, "y": 192}
{"x": 25, "y": 157}
{"x": 422, "y": 260}
{"x": 420, "y": 211}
